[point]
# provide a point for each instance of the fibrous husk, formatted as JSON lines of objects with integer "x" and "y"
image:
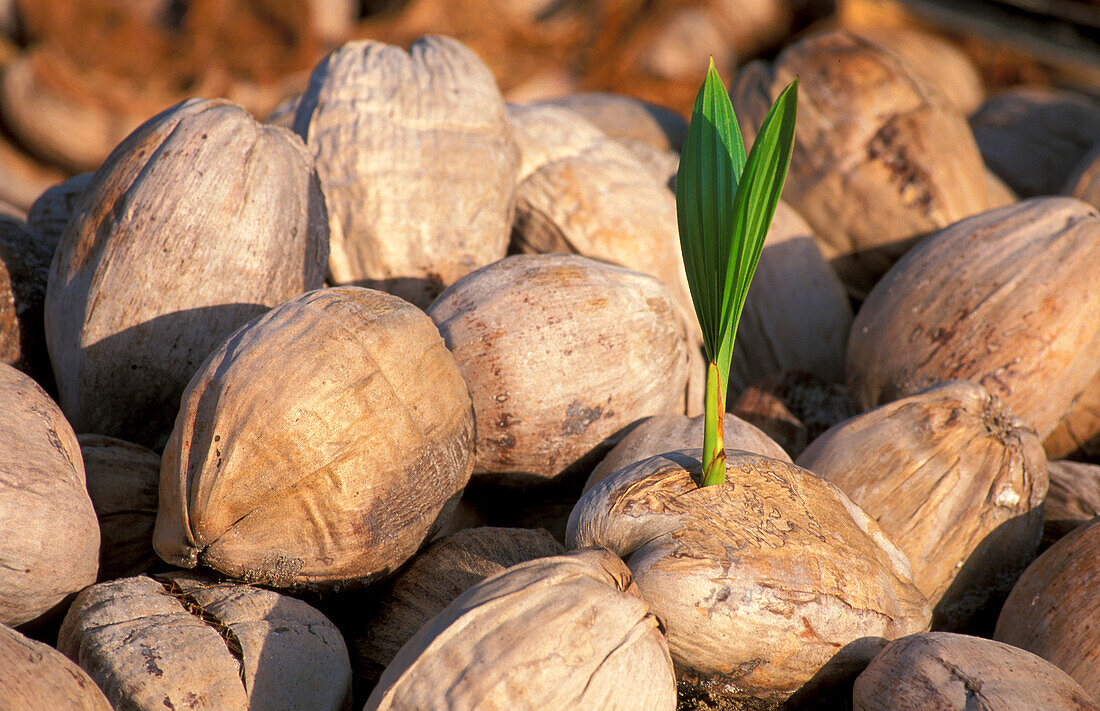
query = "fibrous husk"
{"x": 1004, "y": 299}
{"x": 51, "y": 210}
{"x": 764, "y": 582}
{"x": 1052, "y": 609}
{"x": 433, "y": 579}
{"x": 1073, "y": 498}
{"x": 955, "y": 672}
{"x": 24, "y": 268}
{"x": 1033, "y": 137}
{"x": 122, "y": 483}
{"x": 666, "y": 433}
{"x": 564, "y": 632}
{"x": 37, "y": 676}
{"x": 179, "y": 641}
{"x": 546, "y": 132}
{"x": 626, "y": 118}
{"x": 320, "y": 445}
{"x": 560, "y": 354}
{"x": 956, "y": 481}
{"x": 1078, "y": 433}
{"x": 868, "y": 172}
{"x": 50, "y": 543}
{"x": 199, "y": 221}
{"x": 416, "y": 160}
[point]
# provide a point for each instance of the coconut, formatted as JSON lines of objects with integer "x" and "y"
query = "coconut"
{"x": 955, "y": 480}
{"x": 1078, "y": 433}
{"x": 560, "y": 354}
{"x": 24, "y": 267}
{"x": 22, "y": 177}
{"x": 416, "y": 160}
{"x": 566, "y": 631}
{"x": 199, "y": 221}
{"x": 37, "y": 676}
{"x": 51, "y": 210}
{"x": 546, "y": 132}
{"x": 320, "y": 445}
{"x": 1073, "y": 498}
{"x": 626, "y": 118}
{"x": 51, "y": 542}
{"x": 954, "y": 672}
{"x": 764, "y": 582}
{"x": 180, "y": 641}
{"x": 1084, "y": 182}
{"x": 1003, "y": 299}
{"x": 793, "y": 408}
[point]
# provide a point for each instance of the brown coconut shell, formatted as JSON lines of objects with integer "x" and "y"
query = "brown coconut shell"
{"x": 50, "y": 547}
{"x": 766, "y": 582}
{"x": 433, "y": 579}
{"x": 320, "y": 445}
{"x": 50, "y": 212}
{"x": 954, "y": 672}
{"x": 867, "y": 172}
{"x": 956, "y": 481}
{"x": 181, "y": 641}
{"x": 1003, "y": 299}
{"x": 24, "y": 268}
{"x": 560, "y": 354}
{"x": 567, "y": 631}
{"x": 122, "y": 482}
{"x": 417, "y": 163}
{"x": 37, "y": 676}
{"x": 199, "y": 221}
{"x": 1073, "y": 499}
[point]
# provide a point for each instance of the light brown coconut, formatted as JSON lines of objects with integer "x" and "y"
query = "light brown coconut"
{"x": 766, "y": 582}
{"x": 36, "y": 676}
{"x": 1084, "y": 182}
{"x": 560, "y": 354}
{"x": 179, "y": 641}
{"x": 956, "y": 481}
{"x": 199, "y": 221}
{"x": 434, "y": 578}
{"x": 1073, "y": 498}
{"x": 868, "y": 171}
{"x": 626, "y": 118}
{"x": 955, "y": 672}
{"x": 1004, "y": 299}
{"x": 1078, "y": 433}
{"x": 417, "y": 163}
{"x": 24, "y": 268}
{"x": 565, "y": 632}
{"x": 1033, "y": 137}
{"x": 50, "y": 543}
{"x": 546, "y": 132}
{"x": 50, "y": 212}
{"x": 320, "y": 445}
{"x": 665, "y": 433}
{"x": 122, "y": 483}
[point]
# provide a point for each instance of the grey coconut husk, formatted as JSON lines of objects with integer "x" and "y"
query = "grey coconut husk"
{"x": 1004, "y": 299}
{"x": 433, "y": 579}
{"x": 868, "y": 172}
{"x": 1073, "y": 499}
{"x": 319, "y": 446}
{"x": 564, "y": 632}
{"x": 954, "y": 672}
{"x": 183, "y": 641}
{"x": 50, "y": 545}
{"x": 36, "y": 676}
{"x": 199, "y": 221}
{"x": 417, "y": 163}
{"x": 956, "y": 481}
{"x": 24, "y": 268}
{"x": 766, "y": 583}
{"x": 560, "y": 353}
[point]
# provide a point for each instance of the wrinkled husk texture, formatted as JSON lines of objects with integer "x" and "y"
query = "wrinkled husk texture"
{"x": 764, "y": 582}
{"x": 50, "y": 542}
{"x": 321, "y": 444}
{"x": 199, "y": 221}
{"x": 564, "y": 632}
{"x": 36, "y": 676}
{"x": 417, "y": 163}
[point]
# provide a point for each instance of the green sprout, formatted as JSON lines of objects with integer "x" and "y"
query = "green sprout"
{"x": 724, "y": 206}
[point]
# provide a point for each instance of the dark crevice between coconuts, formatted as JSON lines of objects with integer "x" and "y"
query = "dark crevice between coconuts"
{"x": 189, "y": 603}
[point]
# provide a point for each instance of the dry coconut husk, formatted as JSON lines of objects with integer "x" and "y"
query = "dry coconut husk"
{"x": 764, "y": 583}
{"x": 1051, "y": 610}
{"x": 320, "y": 445}
{"x": 432, "y": 580}
{"x": 23, "y": 177}
{"x": 199, "y": 221}
{"x": 50, "y": 544}
{"x": 546, "y": 132}
{"x": 179, "y": 641}
{"x": 626, "y": 118}
{"x": 1004, "y": 299}
{"x": 1084, "y": 182}
{"x": 954, "y": 672}
{"x": 565, "y": 632}
{"x": 1078, "y": 433}
{"x": 665, "y": 433}
{"x": 1073, "y": 499}
{"x": 793, "y": 408}
{"x": 868, "y": 172}
{"x": 51, "y": 210}
{"x": 24, "y": 268}
{"x": 560, "y": 354}
{"x": 416, "y": 160}
{"x": 36, "y": 676}
{"x": 122, "y": 483}
{"x": 956, "y": 481}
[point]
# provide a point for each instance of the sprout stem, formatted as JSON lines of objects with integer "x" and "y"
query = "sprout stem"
{"x": 714, "y": 451}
